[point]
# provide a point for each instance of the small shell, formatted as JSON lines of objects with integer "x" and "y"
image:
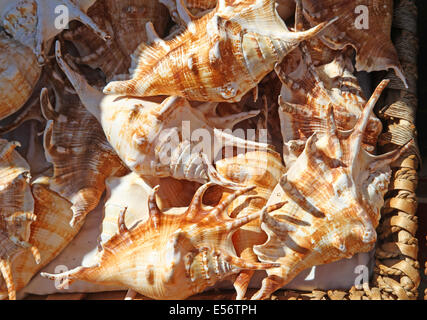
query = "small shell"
{"x": 162, "y": 139}
{"x": 50, "y": 233}
{"x": 219, "y": 57}
{"x": 16, "y": 211}
{"x": 263, "y": 170}
{"x": 126, "y": 22}
{"x": 334, "y": 193}
{"x": 19, "y": 74}
{"x": 358, "y": 21}
{"x": 173, "y": 254}
{"x": 34, "y": 22}
{"x": 76, "y": 146}
{"x": 308, "y": 92}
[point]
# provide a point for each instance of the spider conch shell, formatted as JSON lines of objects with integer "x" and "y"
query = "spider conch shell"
{"x": 219, "y": 57}
{"x": 359, "y": 21}
{"x": 154, "y": 139}
{"x": 126, "y": 22}
{"x": 35, "y": 22}
{"x": 262, "y": 169}
{"x": 16, "y": 211}
{"x": 172, "y": 254}
{"x": 76, "y": 146}
{"x": 19, "y": 74}
{"x": 50, "y": 233}
{"x": 307, "y": 94}
{"x": 334, "y": 193}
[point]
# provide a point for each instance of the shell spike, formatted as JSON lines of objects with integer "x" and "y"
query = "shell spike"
{"x": 197, "y": 202}
{"x": 46, "y": 107}
{"x": 220, "y": 208}
{"x": 306, "y": 35}
{"x": 269, "y": 285}
{"x": 279, "y": 227}
{"x": 389, "y": 157}
{"x": 36, "y": 254}
{"x": 152, "y": 35}
{"x": 218, "y": 179}
{"x": 68, "y": 277}
{"x": 8, "y": 149}
{"x": 121, "y": 221}
{"x": 230, "y": 121}
{"x": 6, "y": 272}
{"x": 90, "y": 97}
{"x": 244, "y": 265}
{"x": 233, "y": 141}
{"x": 153, "y": 210}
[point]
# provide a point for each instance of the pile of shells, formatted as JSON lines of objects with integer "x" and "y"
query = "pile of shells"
{"x": 238, "y": 130}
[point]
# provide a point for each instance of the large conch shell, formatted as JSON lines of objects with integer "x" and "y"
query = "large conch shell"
{"x": 363, "y": 24}
{"x": 16, "y": 211}
{"x": 308, "y": 93}
{"x": 335, "y": 192}
{"x": 262, "y": 169}
{"x": 35, "y": 22}
{"x": 155, "y": 139}
{"x": 75, "y": 144}
{"x": 172, "y": 254}
{"x": 217, "y": 58}
{"x": 50, "y": 233}
{"x": 19, "y": 74}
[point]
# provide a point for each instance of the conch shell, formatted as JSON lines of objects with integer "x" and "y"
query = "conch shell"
{"x": 35, "y": 22}
{"x": 218, "y": 58}
{"x": 152, "y": 138}
{"x": 334, "y": 193}
{"x": 17, "y": 211}
{"x": 365, "y": 25}
{"x": 262, "y": 169}
{"x": 19, "y": 74}
{"x": 172, "y": 254}
{"x": 50, "y": 233}
{"x": 307, "y": 94}
{"x": 76, "y": 146}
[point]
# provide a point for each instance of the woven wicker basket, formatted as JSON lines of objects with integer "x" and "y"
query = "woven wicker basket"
{"x": 396, "y": 273}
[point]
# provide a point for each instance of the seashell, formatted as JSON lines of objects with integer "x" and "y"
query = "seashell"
{"x": 76, "y": 146}
{"x": 17, "y": 211}
{"x": 260, "y": 169}
{"x": 308, "y": 92}
{"x": 173, "y": 254}
{"x": 157, "y": 139}
{"x": 359, "y": 20}
{"x": 35, "y": 22}
{"x": 334, "y": 193}
{"x": 126, "y": 22}
{"x": 50, "y": 233}
{"x": 19, "y": 74}
{"x": 218, "y": 58}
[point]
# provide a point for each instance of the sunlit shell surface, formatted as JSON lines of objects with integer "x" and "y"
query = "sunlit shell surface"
{"x": 76, "y": 146}
{"x": 172, "y": 254}
{"x": 262, "y": 169}
{"x": 19, "y": 74}
{"x": 219, "y": 57}
{"x": 157, "y": 138}
{"x": 125, "y": 22}
{"x": 334, "y": 193}
{"x": 363, "y": 24}
{"x": 50, "y": 233}
{"x": 307, "y": 94}
{"x": 35, "y": 22}
{"x": 16, "y": 211}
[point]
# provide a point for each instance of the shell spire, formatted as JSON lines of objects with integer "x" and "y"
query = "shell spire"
{"x": 335, "y": 190}
{"x": 187, "y": 259}
{"x": 214, "y": 58}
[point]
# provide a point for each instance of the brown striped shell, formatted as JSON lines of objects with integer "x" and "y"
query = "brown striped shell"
{"x": 263, "y": 170}
{"x": 76, "y": 146}
{"x": 34, "y": 23}
{"x": 50, "y": 233}
{"x": 334, "y": 193}
{"x": 307, "y": 94}
{"x": 363, "y": 24}
{"x": 16, "y": 212}
{"x": 172, "y": 254}
{"x": 161, "y": 137}
{"x": 217, "y": 58}
{"x": 19, "y": 74}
